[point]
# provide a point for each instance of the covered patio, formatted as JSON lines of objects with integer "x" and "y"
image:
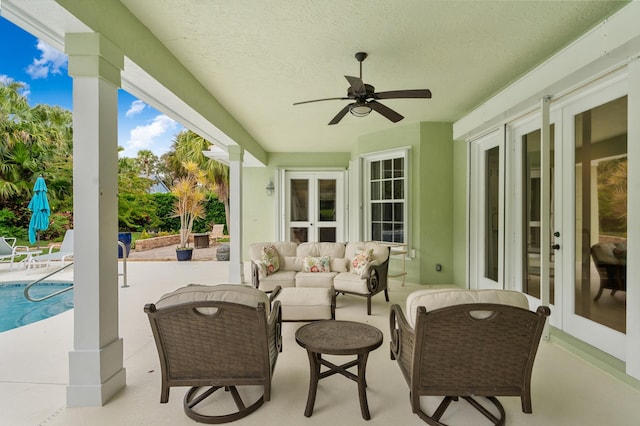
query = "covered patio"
{"x": 228, "y": 72}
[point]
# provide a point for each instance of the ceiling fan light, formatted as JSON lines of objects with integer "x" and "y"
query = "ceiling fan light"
{"x": 361, "y": 110}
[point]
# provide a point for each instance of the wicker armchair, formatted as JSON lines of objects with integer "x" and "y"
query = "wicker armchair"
{"x": 459, "y": 343}
{"x": 223, "y": 336}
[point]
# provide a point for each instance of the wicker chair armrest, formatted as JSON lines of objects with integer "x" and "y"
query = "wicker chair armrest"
{"x": 274, "y": 327}
{"x": 274, "y": 294}
{"x": 402, "y": 340}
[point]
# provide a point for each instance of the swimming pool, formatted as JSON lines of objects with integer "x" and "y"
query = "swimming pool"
{"x": 16, "y": 310}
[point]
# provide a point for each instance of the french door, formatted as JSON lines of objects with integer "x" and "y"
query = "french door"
{"x": 487, "y": 206}
{"x": 587, "y": 195}
{"x": 314, "y": 206}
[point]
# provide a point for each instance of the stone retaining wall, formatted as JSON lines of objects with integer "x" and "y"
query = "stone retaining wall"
{"x": 167, "y": 240}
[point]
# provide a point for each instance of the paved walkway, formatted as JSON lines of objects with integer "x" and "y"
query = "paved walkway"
{"x": 168, "y": 253}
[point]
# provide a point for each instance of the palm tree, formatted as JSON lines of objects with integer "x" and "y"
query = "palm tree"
{"x": 188, "y": 146}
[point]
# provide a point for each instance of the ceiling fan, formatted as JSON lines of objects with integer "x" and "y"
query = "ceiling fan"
{"x": 366, "y": 97}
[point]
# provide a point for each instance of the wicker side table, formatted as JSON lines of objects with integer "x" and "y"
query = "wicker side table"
{"x": 338, "y": 338}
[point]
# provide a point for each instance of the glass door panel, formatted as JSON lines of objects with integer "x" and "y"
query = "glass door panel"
{"x": 492, "y": 205}
{"x": 315, "y": 206}
{"x": 531, "y": 183}
{"x": 601, "y": 214}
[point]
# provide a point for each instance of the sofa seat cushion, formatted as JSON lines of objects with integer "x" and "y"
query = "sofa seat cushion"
{"x": 433, "y": 299}
{"x": 233, "y": 293}
{"x": 281, "y": 278}
{"x": 315, "y": 279}
{"x": 347, "y": 281}
{"x": 305, "y": 304}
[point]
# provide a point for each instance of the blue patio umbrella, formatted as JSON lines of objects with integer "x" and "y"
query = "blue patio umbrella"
{"x": 40, "y": 211}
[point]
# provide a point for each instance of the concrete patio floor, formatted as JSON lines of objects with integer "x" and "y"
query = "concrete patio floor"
{"x": 34, "y": 371}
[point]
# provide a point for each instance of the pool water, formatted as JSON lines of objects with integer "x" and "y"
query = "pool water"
{"x": 16, "y": 310}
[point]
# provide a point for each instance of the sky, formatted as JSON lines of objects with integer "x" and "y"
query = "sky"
{"x": 43, "y": 71}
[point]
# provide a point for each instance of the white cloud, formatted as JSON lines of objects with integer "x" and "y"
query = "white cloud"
{"x": 150, "y": 136}
{"x": 50, "y": 61}
{"x": 136, "y": 108}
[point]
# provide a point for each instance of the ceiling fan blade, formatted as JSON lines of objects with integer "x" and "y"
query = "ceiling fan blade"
{"x": 385, "y": 110}
{"x": 320, "y": 100}
{"x": 357, "y": 85}
{"x": 340, "y": 115}
{"x": 403, "y": 94}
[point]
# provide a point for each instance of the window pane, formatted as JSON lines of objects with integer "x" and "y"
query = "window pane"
{"x": 375, "y": 169}
{"x": 299, "y": 235}
{"x": 398, "y": 167}
{"x": 327, "y": 235}
{"x": 387, "y": 169}
{"x": 387, "y": 212}
{"x": 386, "y": 192}
{"x": 398, "y": 189}
{"x": 398, "y": 212}
{"x": 376, "y": 212}
{"x": 299, "y": 200}
{"x": 398, "y": 233}
{"x": 375, "y": 190}
{"x": 387, "y": 232}
{"x": 376, "y": 231}
{"x": 327, "y": 200}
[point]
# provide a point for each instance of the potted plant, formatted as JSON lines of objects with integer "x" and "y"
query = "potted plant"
{"x": 189, "y": 206}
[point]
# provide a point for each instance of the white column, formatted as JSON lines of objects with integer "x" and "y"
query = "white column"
{"x": 236, "y": 267}
{"x": 96, "y": 370}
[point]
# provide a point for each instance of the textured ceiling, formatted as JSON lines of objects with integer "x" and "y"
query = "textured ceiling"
{"x": 258, "y": 58}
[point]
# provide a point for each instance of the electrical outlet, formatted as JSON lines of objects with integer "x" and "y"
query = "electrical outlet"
{"x": 438, "y": 267}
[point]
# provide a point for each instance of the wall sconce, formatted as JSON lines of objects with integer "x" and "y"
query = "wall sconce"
{"x": 270, "y": 188}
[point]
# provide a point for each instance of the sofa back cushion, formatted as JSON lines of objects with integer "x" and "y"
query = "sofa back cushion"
{"x": 284, "y": 248}
{"x": 379, "y": 253}
{"x": 433, "y": 299}
{"x": 333, "y": 250}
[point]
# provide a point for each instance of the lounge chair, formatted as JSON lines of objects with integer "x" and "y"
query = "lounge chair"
{"x": 224, "y": 336}
{"x": 466, "y": 344}
{"x": 217, "y": 232}
{"x": 65, "y": 253}
{"x": 9, "y": 249}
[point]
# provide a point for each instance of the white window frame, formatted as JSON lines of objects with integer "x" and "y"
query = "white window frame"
{"x": 366, "y": 160}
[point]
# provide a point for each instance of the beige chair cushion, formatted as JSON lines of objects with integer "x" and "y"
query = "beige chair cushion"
{"x": 433, "y": 299}
{"x": 305, "y": 304}
{"x": 315, "y": 279}
{"x": 233, "y": 293}
{"x": 346, "y": 281}
{"x": 281, "y": 278}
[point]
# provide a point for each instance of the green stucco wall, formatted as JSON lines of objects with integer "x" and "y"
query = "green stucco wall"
{"x": 435, "y": 192}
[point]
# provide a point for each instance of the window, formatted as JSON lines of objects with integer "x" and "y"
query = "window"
{"x": 385, "y": 192}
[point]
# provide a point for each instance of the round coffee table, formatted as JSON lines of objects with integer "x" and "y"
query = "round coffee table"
{"x": 338, "y": 338}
